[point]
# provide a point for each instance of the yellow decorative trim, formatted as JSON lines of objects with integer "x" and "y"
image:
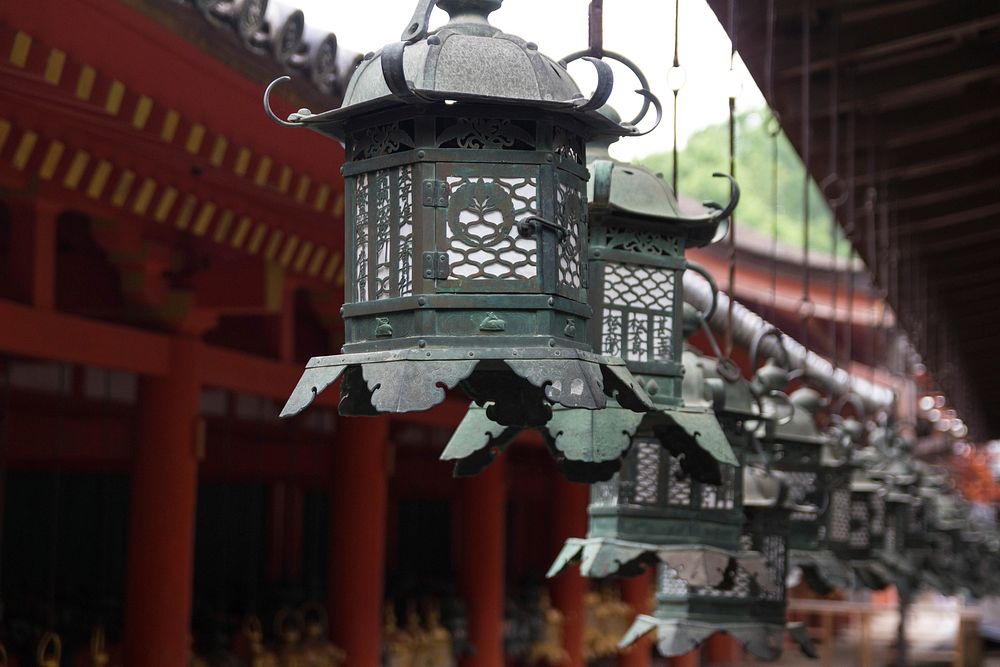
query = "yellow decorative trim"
{"x": 85, "y": 82}
{"x": 204, "y": 218}
{"x": 285, "y": 178}
{"x": 116, "y": 93}
{"x": 76, "y": 168}
{"x": 273, "y": 244}
{"x": 51, "y": 161}
{"x": 186, "y": 212}
{"x": 143, "y": 107}
{"x": 24, "y": 149}
{"x": 222, "y": 228}
{"x": 288, "y": 252}
{"x": 242, "y": 229}
{"x": 317, "y": 261}
{"x": 257, "y": 238}
{"x": 322, "y": 196}
{"x": 146, "y": 191}
{"x": 303, "y": 190}
{"x": 54, "y": 66}
{"x": 338, "y": 205}
{"x": 20, "y": 49}
{"x": 242, "y": 162}
{"x": 331, "y": 267}
{"x": 100, "y": 178}
{"x": 170, "y": 121}
{"x": 166, "y": 202}
{"x": 219, "y": 151}
{"x": 304, "y": 252}
{"x": 263, "y": 170}
{"x": 195, "y": 136}
{"x": 4, "y": 131}
{"x": 124, "y": 186}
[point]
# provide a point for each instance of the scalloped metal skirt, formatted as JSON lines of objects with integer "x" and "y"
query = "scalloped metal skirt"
{"x": 675, "y": 637}
{"x": 822, "y": 570}
{"x": 521, "y": 384}
{"x": 697, "y": 566}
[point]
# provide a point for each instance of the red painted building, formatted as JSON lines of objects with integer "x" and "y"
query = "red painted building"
{"x": 168, "y": 260}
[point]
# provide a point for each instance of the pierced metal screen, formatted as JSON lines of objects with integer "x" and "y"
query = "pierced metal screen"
{"x": 860, "y": 522}
{"x": 481, "y": 233}
{"x": 890, "y": 538}
{"x": 878, "y": 524}
{"x": 647, "y": 472}
{"x": 570, "y": 216}
{"x": 679, "y": 484}
{"x": 723, "y": 496}
{"x": 383, "y": 234}
{"x": 802, "y": 490}
{"x": 773, "y": 550}
{"x": 840, "y": 515}
{"x": 605, "y": 494}
{"x": 638, "y": 314}
{"x": 671, "y": 585}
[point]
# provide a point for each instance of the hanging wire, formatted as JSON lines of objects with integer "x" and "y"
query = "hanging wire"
{"x": 732, "y": 172}
{"x": 850, "y": 232}
{"x": 596, "y": 29}
{"x": 832, "y": 182}
{"x": 805, "y": 307}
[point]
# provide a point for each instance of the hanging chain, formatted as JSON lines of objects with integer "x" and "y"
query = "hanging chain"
{"x": 675, "y": 86}
{"x": 851, "y": 240}
{"x": 833, "y": 191}
{"x": 732, "y": 172}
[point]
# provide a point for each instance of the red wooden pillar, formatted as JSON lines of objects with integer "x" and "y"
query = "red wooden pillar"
{"x": 721, "y": 650}
{"x": 161, "y": 529}
{"x": 358, "y": 500}
{"x": 481, "y": 571}
{"x": 33, "y": 251}
{"x": 569, "y": 519}
{"x": 638, "y": 592}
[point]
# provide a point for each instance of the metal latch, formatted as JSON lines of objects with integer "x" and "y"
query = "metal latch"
{"x": 436, "y": 265}
{"x": 436, "y": 193}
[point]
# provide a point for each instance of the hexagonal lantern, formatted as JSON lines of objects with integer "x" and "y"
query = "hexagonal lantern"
{"x": 946, "y": 521}
{"x": 749, "y": 608}
{"x": 666, "y": 504}
{"x": 466, "y": 227}
{"x": 817, "y": 474}
{"x": 868, "y": 519}
{"x": 894, "y": 470}
{"x": 638, "y": 238}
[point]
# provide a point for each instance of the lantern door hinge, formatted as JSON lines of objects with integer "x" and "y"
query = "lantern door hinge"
{"x": 436, "y": 193}
{"x": 436, "y": 265}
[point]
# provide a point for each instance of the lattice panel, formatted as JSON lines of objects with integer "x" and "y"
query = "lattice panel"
{"x": 638, "y": 318}
{"x": 877, "y": 514}
{"x": 840, "y": 515}
{"x": 671, "y": 585}
{"x": 405, "y": 197}
{"x": 361, "y": 238}
{"x": 482, "y": 238}
{"x": 773, "y": 550}
{"x": 383, "y": 234}
{"x": 859, "y": 517}
{"x": 647, "y": 472}
{"x": 679, "y": 484}
{"x": 890, "y": 538}
{"x": 569, "y": 216}
{"x": 486, "y": 133}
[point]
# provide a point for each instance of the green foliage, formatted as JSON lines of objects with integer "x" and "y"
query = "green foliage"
{"x": 707, "y": 151}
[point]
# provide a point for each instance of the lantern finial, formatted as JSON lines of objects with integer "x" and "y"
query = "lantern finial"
{"x": 465, "y": 11}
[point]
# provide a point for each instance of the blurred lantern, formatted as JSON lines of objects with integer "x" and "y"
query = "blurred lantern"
{"x": 466, "y": 227}
{"x": 868, "y": 515}
{"x": 638, "y": 238}
{"x": 945, "y": 523}
{"x": 815, "y": 471}
{"x": 749, "y": 608}
{"x": 898, "y": 554}
{"x": 667, "y": 503}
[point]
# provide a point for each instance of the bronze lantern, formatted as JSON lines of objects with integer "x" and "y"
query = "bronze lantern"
{"x": 466, "y": 227}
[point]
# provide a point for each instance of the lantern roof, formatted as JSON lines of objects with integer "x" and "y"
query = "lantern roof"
{"x": 467, "y": 60}
{"x": 801, "y": 427}
{"x": 631, "y": 193}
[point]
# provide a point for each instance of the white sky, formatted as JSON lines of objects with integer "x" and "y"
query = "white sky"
{"x": 639, "y": 29}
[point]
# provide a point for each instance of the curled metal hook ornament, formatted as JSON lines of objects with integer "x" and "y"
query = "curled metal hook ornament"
{"x": 657, "y": 107}
{"x": 294, "y": 118}
{"x": 703, "y": 272}
{"x": 769, "y": 332}
{"x": 724, "y": 212}
{"x": 835, "y": 190}
{"x": 605, "y": 84}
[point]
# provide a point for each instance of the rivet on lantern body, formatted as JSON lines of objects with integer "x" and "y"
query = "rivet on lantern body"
{"x": 634, "y": 270}
{"x": 465, "y": 199}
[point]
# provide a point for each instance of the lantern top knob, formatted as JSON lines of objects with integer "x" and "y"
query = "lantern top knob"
{"x": 477, "y": 10}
